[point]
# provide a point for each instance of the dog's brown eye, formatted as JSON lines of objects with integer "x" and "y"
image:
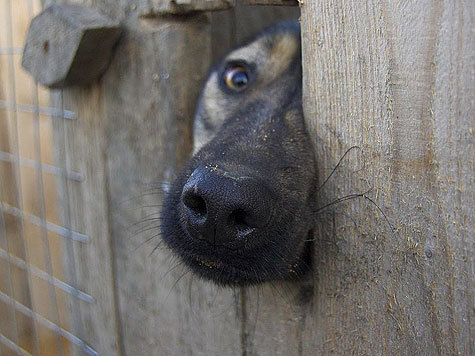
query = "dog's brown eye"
{"x": 236, "y": 78}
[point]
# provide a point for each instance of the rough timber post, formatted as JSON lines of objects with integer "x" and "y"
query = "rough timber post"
{"x": 396, "y": 79}
{"x": 132, "y": 131}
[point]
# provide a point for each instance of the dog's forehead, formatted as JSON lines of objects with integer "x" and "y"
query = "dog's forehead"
{"x": 254, "y": 50}
{"x": 271, "y": 54}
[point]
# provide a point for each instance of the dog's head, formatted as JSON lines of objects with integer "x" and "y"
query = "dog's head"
{"x": 240, "y": 211}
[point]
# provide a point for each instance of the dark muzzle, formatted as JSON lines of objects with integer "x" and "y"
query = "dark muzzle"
{"x": 224, "y": 209}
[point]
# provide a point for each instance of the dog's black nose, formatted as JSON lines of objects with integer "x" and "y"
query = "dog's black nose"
{"x": 224, "y": 209}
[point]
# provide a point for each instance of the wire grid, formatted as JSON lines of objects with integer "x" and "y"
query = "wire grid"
{"x": 37, "y": 306}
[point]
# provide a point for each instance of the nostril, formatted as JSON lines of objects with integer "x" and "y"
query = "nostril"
{"x": 224, "y": 208}
{"x": 195, "y": 203}
{"x": 239, "y": 218}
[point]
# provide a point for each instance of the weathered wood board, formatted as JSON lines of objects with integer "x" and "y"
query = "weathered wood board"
{"x": 396, "y": 79}
{"x": 88, "y": 266}
{"x": 273, "y": 2}
{"x": 65, "y": 39}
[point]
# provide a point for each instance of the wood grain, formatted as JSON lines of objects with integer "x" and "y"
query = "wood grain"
{"x": 79, "y": 145}
{"x": 272, "y": 2}
{"x": 397, "y": 80}
{"x": 65, "y": 39}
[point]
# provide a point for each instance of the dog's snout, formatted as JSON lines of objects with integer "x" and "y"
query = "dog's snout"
{"x": 224, "y": 209}
{"x": 240, "y": 211}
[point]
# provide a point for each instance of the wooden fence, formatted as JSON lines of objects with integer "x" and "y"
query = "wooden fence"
{"x": 393, "y": 271}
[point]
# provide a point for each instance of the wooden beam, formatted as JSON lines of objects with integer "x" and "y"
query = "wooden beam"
{"x": 273, "y": 2}
{"x": 153, "y": 8}
{"x": 65, "y": 40}
{"x": 393, "y": 267}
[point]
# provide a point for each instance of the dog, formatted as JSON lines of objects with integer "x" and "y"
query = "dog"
{"x": 240, "y": 211}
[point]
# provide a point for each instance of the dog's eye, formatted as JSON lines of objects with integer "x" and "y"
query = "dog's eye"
{"x": 236, "y": 78}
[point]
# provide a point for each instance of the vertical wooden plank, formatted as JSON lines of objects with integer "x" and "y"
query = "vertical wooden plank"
{"x": 150, "y": 93}
{"x": 396, "y": 79}
{"x": 79, "y": 146}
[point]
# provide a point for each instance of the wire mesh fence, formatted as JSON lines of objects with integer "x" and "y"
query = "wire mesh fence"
{"x": 40, "y": 299}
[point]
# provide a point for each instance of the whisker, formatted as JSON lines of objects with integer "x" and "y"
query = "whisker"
{"x": 151, "y": 206}
{"x": 176, "y": 282}
{"x": 143, "y": 221}
{"x": 158, "y": 245}
{"x": 342, "y": 199}
{"x": 157, "y": 184}
{"x": 146, "y": 229}
{"x": 180, "y": 262}
{"x": 149, "y": 239}
{"x": 146, "y": 193}
{"x": 146, "y": 218}
{"x": 381, "y": 211}
{"x": 354, "y": 196}
{"x": 338, "y": 165}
